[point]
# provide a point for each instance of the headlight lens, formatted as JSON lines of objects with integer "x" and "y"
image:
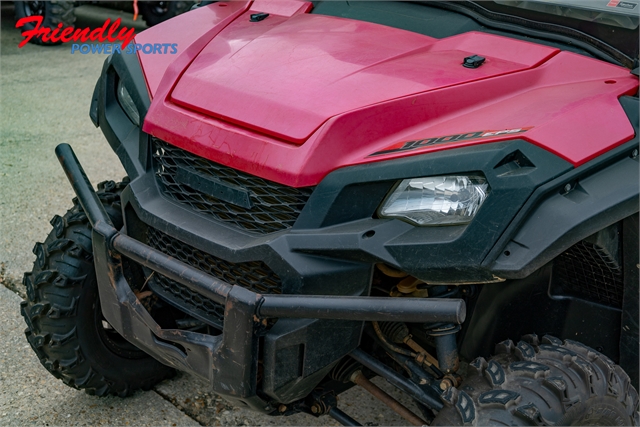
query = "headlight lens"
{"x": 437, "y": 200}
{"x": 129, "y": 107}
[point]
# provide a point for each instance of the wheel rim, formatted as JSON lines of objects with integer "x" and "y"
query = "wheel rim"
{"x": 113, "y": 340}
{"x": 32, "y": 8}
{"x": 159, "y": 8}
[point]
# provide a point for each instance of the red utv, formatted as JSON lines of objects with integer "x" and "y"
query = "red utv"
{"x": 319, "y": 193}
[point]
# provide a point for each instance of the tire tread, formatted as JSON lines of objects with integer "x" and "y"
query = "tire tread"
{"x": 546, "y": 382}
{"x": 54, "y": 287}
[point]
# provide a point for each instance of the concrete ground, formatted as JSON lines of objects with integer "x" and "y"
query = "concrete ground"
{"x": 44, "y": 100}
{"x": 30, "y": 396}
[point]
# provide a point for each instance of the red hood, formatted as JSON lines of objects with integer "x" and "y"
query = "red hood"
{"x": 296, "y": 96}
{"x": 309, "y": 68}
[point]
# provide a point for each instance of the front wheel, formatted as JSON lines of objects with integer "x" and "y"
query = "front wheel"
{"x": 547, "y": 382}
{"x": 64, "y": 320}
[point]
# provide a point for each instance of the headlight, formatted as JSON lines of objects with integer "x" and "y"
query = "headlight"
{"x": 437, "y": 200}
{"x": 129, "y": 107}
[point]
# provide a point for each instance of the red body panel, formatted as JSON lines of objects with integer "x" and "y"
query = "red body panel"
{"x": 310, "y": 68}
{"x": 295, "y": 96}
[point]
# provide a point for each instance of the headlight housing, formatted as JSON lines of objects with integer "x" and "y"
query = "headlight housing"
{"x": 127, "y": 104}
{"x": 436, "y": 200}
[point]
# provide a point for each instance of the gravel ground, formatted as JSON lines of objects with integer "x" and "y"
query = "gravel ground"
{"x": 44, "y": 100}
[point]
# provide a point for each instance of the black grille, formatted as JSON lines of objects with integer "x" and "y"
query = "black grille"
{"x": 254, "y": 275}
{"x": 273, "y": 207}
{"x": 587, "y": 271}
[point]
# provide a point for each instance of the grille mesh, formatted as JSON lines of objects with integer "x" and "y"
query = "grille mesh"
{"x": 274, "y": 207}
{"x": 587, "y": 271}
{"x": 254, "y": 275}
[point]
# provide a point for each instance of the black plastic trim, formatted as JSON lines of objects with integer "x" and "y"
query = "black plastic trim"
{"x": 455, "y": 253}
{"x": 629, "y": 337}
{"x": 542, "y": 30}
{"x": 127, "y": 140}
{"x": 602, "y": 192}
{"x": 593, "y": 203}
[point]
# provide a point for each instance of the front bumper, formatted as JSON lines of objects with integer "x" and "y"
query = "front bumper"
{"x": 230, "y": 360}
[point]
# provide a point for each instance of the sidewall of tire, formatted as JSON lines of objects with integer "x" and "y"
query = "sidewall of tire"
{"x": 134, "y": 372}
{"x": 63, "y": 314}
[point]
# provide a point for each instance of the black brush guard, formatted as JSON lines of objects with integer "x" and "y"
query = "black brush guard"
{"x": 228, "y": 360}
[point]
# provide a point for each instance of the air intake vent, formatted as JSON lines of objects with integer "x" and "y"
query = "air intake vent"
{"x": 254, "y": 275}
{"x": 226, "y": 194}
{"x": 591, "y": 270}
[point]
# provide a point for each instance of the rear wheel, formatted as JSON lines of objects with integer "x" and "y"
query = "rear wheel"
{"x": 65, "y": 326}
{"x": 52, "y": 12}
{"x": 547, "y": 382}
{"x": 155, "y": 12}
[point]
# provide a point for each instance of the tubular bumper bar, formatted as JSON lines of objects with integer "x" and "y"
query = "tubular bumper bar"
{"x": 291, "y": 306}
{"x": 243, "y": 308}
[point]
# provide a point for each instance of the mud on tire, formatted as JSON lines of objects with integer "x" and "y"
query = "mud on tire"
{"x": 542, "y": 382}
{"x": 64, "y": 320}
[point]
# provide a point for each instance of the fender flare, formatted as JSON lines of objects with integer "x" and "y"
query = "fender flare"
{"x": 600, "y": 193}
